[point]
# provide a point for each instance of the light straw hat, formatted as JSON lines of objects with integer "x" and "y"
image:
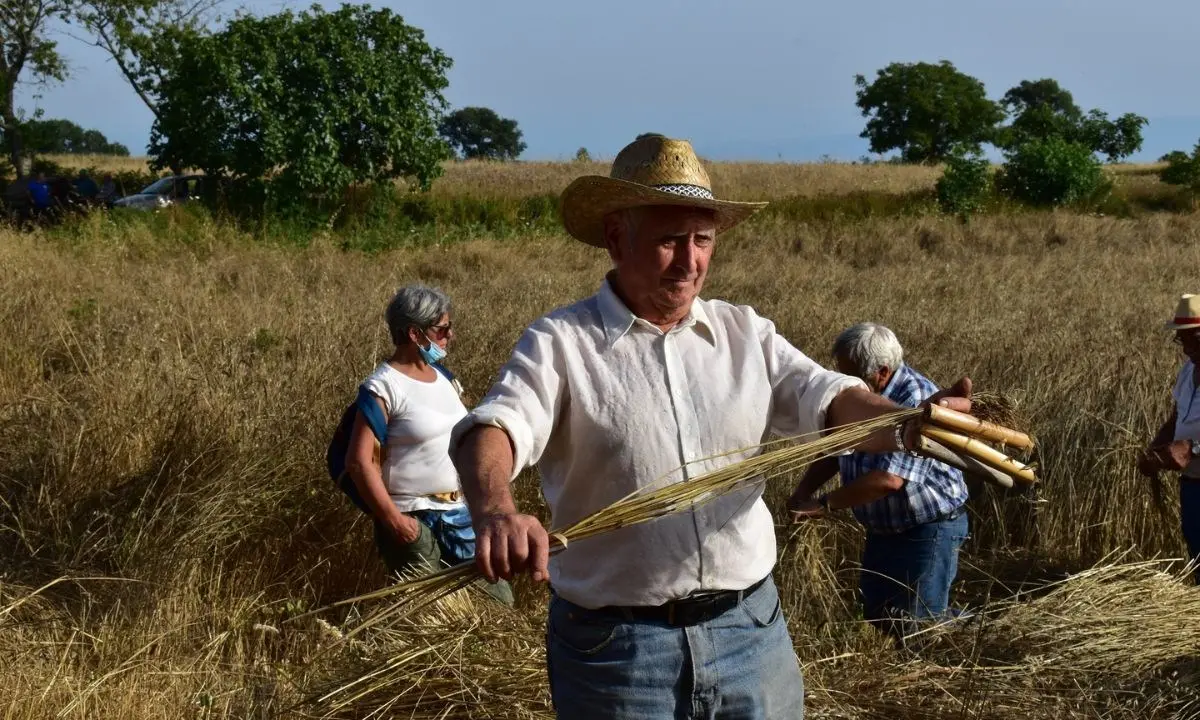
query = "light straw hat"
{"x": 1187, "y": 313}
{"x": 652, "y": 170}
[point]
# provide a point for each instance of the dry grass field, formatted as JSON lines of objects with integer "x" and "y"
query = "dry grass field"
{"x": 167, "y": 391}
{"x": 738, "y": 180}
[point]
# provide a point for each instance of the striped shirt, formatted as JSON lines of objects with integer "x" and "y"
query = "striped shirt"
{"x": 932, "y": 490}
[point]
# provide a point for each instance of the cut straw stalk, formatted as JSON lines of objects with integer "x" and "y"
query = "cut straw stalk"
{"x": 643, "y": 505}
{"x": 974, "y": 427}
{"x": 966, "y": 463}
{"x": 982, "y": 452}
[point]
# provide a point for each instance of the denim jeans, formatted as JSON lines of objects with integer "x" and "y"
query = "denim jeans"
{"x": 1189, "y": 516}
{"x": 740, "y": 665}
{"x": 907, "y": 575}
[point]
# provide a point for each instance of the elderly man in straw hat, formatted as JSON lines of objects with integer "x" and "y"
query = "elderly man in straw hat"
{"x": 678, "y": 617}
{"x": 1176, "y": 446}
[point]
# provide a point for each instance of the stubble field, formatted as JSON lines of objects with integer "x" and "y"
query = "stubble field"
{"x": 168, "y": 386}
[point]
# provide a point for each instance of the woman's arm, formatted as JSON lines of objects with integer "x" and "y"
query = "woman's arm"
{"x": 368, "y": 478}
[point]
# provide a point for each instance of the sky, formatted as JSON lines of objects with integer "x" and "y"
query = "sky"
{"x": 741, "y": 79}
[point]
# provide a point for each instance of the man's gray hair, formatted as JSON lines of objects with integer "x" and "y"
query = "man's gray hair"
{"x": 415, "y": 305}
{"x": 869, "y": 347}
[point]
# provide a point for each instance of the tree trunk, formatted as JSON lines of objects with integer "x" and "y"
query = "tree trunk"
{"x": 12, "y": 131}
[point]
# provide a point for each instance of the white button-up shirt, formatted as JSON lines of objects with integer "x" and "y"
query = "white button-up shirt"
{"x": 605, "y": 403}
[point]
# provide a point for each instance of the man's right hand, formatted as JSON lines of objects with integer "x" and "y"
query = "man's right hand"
{"x": 507, "y": 544}
{"x": 404, "y": 528}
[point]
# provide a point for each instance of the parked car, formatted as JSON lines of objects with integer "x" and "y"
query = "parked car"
{"x": 163, "y": 192}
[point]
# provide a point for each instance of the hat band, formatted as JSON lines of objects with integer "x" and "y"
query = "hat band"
{"x": 692, "y": 191}
{"x": 1187, "y": 320}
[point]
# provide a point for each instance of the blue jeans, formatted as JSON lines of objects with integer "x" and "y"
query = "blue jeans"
{"x": 907, "y": 575}
{"x": 740, "y": 665}
{"x": 1189, "y": 516}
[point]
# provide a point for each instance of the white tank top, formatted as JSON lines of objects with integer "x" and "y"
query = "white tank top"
{"x": 420, "y": 418}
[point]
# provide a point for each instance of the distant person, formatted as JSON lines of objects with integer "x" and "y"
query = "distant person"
{"x": 39, "y": 194}
{"x": 912, "y": 507}
{"x": 108, "y": 190}
{"x": 412, "y": 489}
{"x": 85, "y": 187}
{"x": 1176, "y": 446}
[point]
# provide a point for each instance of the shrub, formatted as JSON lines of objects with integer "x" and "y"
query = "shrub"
{"x": 1182, "y": 169}
{"x": 582, "y": 155}
{"x": 965, "y": 184}
{"x": 1053, "y": 171}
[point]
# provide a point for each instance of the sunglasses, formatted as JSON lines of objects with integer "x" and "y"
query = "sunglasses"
{"x": 443, "y": 328}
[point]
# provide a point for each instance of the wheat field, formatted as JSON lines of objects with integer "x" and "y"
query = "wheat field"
{"x": 167, "y": 391}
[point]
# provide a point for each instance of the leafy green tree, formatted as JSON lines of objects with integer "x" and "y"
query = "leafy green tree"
{"x": 1115, "y": 139}
{"x": 58, "y": 136}
{"x": 925, "y": 111}
{"x": 315, "y": 102}
{"x": 479, "y": 133}
{"x": 1039, "y": 109}
{"x": 1043, "y": 109}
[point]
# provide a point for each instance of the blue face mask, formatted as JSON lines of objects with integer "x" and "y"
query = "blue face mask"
{"x": 432, "y": 354}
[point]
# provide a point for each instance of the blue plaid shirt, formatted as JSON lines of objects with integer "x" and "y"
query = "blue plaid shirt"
{"x": 932, "y": 490}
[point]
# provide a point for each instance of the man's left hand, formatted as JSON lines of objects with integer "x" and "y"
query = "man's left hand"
{"x": 956, "y": 397}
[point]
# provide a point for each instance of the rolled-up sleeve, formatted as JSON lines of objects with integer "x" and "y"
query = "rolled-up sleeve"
{"x": 524, "y": 400}
{"x": 801, "y": 388}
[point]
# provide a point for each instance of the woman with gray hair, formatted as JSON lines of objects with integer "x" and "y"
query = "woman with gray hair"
{"x": 409, "y": 484}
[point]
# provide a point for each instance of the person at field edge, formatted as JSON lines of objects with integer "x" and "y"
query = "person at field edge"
{"x": 1176, "y": 446}
{"x": 913, "y": 507}
{"x": 412, "y": 488}
{"x": 678, "y": 617}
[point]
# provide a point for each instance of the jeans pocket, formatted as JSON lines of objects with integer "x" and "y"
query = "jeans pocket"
{"x": 580, "y": 632}
{"x": 763, "y": 607}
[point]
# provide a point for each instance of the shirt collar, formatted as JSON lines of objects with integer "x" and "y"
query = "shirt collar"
{"x": 618, "y": 319}
{"x": 894, "y": 382}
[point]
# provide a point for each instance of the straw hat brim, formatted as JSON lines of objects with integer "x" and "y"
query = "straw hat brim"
{"x": 588, "y": 199}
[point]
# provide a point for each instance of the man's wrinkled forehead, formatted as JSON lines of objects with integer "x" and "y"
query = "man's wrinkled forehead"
{"x": 675, "y": 220}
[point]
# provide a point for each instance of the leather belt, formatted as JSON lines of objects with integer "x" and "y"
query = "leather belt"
{"x": 446, "y": 497}
{"x": 684, "y": 612}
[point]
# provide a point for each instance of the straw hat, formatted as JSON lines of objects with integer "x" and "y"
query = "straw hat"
{"x": 1187, "y": 313}
{"x": 651, "y": 170}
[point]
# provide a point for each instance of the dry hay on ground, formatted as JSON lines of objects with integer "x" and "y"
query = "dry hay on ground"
{"x": 1117, "y": 641}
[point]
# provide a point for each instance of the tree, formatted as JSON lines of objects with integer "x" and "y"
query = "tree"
{"x": 65, "y": 137}
{"x": 926, "y": 111}
{"x": 313, "y": 102}
{"x": 479, "y": 133}
{"x": 1042, "y": 109}
{"x": 1044, "y": 94}
{"x": 26, "y": 49}
{"x": 142, "y": 36}
{"x": 1116, "y": 139}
